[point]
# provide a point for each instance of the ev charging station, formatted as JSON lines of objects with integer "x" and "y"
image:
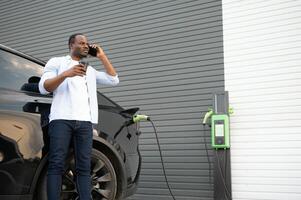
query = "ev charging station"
{"x": 220, "y": 143}
{"x": 220, "y": 138}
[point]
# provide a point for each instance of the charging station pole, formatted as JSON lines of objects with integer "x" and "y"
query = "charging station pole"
{"x": 222, "y": 175}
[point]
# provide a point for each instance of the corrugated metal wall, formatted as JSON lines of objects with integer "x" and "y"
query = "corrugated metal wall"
{"x": 169, "y": 56}
{"x": 262, "y": 50}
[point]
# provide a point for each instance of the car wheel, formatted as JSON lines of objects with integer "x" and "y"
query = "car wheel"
{"x": 103, "y": 179}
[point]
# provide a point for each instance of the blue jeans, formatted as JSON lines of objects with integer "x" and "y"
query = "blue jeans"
{"x": 60, "y": 134}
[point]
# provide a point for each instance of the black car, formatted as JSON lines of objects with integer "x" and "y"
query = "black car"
{"x": 24, "y": 113}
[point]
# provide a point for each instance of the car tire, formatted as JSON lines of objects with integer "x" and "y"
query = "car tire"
{"x": 103, "y": 178}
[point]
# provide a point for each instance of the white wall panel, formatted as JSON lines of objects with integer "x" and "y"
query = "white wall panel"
{"x": 262, "y": 51}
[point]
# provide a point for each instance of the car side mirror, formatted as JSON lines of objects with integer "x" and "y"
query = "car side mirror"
{"x": 32, "y": 85}
{"x": 34, "y": 79}
{"x": 129, "y": 112}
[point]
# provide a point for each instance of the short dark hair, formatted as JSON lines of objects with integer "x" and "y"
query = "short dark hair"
{"x": 72, "y": 38}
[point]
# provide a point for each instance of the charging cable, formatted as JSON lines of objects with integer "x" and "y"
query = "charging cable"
{"x": 207, "y": 152}
{"x": 138, "y": 118}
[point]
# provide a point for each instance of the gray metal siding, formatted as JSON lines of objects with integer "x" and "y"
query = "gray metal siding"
{"x": 169, "y": 57}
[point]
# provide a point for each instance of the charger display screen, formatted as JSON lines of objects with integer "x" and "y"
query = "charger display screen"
{"x": 219, "y": 129}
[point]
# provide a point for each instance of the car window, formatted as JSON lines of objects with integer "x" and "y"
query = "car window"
{"x": 16, "y": 71}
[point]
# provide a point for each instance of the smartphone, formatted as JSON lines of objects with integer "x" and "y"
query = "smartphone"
{"x": 85, "y": 63}
{"x": 92, "y": 51}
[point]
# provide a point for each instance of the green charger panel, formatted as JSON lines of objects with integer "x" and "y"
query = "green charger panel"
{"x": 220, "y": 131}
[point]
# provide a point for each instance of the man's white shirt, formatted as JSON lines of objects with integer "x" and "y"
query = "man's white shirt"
{"x": 76, "y": 97}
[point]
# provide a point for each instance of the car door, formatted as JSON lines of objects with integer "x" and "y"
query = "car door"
{"x": 23, "y": 112}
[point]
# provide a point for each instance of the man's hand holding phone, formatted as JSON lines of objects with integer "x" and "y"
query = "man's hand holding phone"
{"x": 95, "y": 50}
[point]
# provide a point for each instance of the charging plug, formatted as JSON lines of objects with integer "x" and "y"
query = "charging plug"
{"x": 207, "y": 116}
{"x": 138, "y": 118}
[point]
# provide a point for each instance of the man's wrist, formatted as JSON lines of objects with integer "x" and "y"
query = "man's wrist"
{"x": 63, "y": 75}
{"x": 102, "y": 57}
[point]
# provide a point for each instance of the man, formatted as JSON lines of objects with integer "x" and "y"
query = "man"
{"x": 74, "y": 108}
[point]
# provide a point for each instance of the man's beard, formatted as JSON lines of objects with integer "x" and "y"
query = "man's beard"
{"x": 79, "y": 54}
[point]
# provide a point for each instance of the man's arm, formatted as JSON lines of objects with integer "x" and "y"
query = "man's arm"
{"x": 107, "y": 65}
{"x": 51, "y": 84}
{"x": 50, "y": 79}
{"x": 105, "y": 61}
{"x": 109, "y": 77}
